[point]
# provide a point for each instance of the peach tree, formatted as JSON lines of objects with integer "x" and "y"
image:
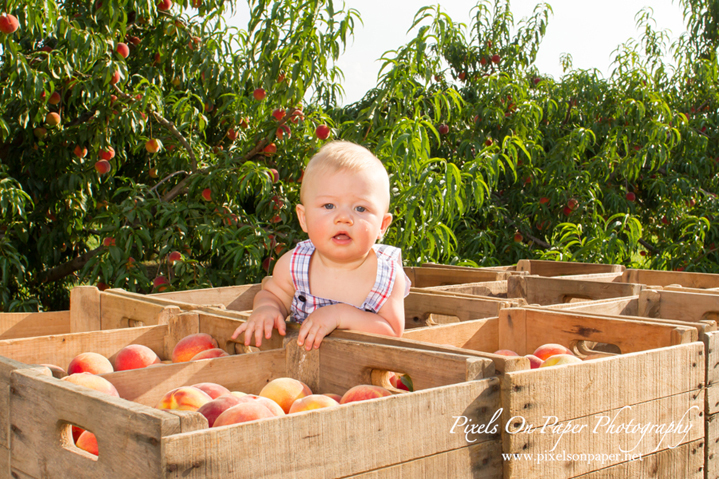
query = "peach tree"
{"x": 494, "y": 161}
{"x": 147, "y": 145}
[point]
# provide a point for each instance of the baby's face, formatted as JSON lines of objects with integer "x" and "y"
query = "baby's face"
{"x": 345, "y": 212}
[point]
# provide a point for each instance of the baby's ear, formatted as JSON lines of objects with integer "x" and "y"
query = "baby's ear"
{"x": 300, "y": 210}
{"x": 386, "y": 221}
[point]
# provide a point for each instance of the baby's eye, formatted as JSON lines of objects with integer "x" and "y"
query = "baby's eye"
{"x": 361, "y": 209}
{"x": 328, "y": 206}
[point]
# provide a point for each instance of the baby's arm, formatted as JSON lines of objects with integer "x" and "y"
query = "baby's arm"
{"x": 389, "y": 320}
{"x": 271, "y": 305}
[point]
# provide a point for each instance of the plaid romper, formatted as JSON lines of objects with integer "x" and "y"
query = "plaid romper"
{"x": 304, "y": 303}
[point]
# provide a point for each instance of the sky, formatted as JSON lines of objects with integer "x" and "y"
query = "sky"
{"x": 587, "y": 30}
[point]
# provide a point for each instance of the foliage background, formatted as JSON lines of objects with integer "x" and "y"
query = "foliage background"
{"x": 490, "y": 160}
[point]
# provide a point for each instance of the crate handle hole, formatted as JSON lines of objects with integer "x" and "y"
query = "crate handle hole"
{"x": 568, "y": 298}
{"x": 78, "y": 440}
{"x": 238, "y": 347}
{"x": 392, "y": 381}
{"x": 584, "y": 349}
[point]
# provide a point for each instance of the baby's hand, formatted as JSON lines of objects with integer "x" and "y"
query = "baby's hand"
{"x": 318, "y": 324}
{"x": 264, "y": 319}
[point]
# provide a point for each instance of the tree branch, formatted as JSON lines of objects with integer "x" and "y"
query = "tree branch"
{"x": 62, "y": 270}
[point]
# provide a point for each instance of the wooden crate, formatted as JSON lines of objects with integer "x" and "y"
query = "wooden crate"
{"x": 666, "y": 278}
{"x": 60, "y": 349}
{"x": 422, "y": 308}
{"x": 438, "y": 276}
{"x": 404, "y": 432}
{"x": 544, "y": 291}
{"x": 89, "y": 308}
{"x": 541, "y": 268}
{"x": 660, "y": 374}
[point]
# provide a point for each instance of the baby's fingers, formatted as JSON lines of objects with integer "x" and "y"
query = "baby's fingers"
{"x": 240, "y": 329}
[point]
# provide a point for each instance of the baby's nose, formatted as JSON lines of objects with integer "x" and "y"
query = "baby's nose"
{"x": 343, "y": 216}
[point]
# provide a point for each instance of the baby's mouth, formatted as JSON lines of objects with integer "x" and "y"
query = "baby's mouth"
{"x": 341, "y": 237}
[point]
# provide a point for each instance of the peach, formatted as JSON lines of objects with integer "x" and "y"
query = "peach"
{"x": 87, "y": 442}
{"x": 217, "y": 406}
{"x": 364, "y": 392}
{"x": 285, "y": 391}
{"x": 92, "y": 381}
{"x": 546, "y": 350}
{"x": 185, "y": 398}
{"x": 506, "y": 352}
{"x": 239, "y": 394}
{"x": 560, "y": 359}
{"x": 243, "y": 412}
{"x": 93, "y": 363}
{"x": 135, "y": 356}
{"x": 189, "y": 346}
{"x": 534, "y": 361}
{"x": 268, "y": 403}
{"x": 57, "y": 371}
{"x": 214, "y": 390}
{"x": 313, "y": 401}
{"x": 334, "y": 396}
{"x": 401, "y": 381}
{"x": 209, "y": 354}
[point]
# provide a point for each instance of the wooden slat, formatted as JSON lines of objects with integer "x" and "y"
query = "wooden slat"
{"x": 682, "y": 289}
{"x": 632, "y": 378}
{"x": 665, "y": 278}
{"x": 523, "y": 330}
{"x": 84, "y": 309}
{"x": 418, "y": 307}
{"x": 23, "y": 325}
{"x": 129, "y": 435}
{"x": 343, "y": 364}
{"x": 361, "y": 437}
{"x": 123, "y": 311}
{"x": 544, "y": 291}
{"x": 712, "y": 449}
{"x": 470, "y": 338}
{"x": 679, "y": 305}
{"x": 7, "y": 366}
{"x": 562, "y": 268}
{"x": 424, "y": 277}
{"x": 247, "y": 373}
{"x": 592, "y": 435}
{"x": 494, "y": 289}
{"x": 685, "y": 461}
{"x": 62, "y": 348}
{"x": 628, "y": 306}
{"x": 236, "y": 298}
{"x": 477, "y": 461}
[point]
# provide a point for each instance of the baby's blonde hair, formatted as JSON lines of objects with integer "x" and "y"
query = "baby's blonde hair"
{"x": 341, "y": 155}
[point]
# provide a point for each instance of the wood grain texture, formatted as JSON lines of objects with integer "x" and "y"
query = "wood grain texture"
{"x": 578, "y": 390}
{"x": 620, "y": 306}
{"x": 129, "y": 435}
{"x": 85, "y": 309}
{"x": 247, "y": 373}
{"x": 424, "y": 277}
{"x": 544, "y": 291}
{"x": 131, "y": 310}
{"x": 636, "y": 429}
{"x": 523, "y": 330}
{"x": 683, "y": 462}
{"x": 7, "y": 366}
{"x": 476, "y": 338}
{"x": 562, "y": 268}
{"x": 236, "y": 298}
{"x": 344, "y": 364}
{"x": 492, "y": 289}
{"x": 665, "y": 278}
{"x": 62, "y": 348}
{"x": 418, "y": 307}
{"x": 478, "y": 461}
{"x": 336, "y": 442}
{"x": 712, "y": 447}
{"x": 23, "y": 325}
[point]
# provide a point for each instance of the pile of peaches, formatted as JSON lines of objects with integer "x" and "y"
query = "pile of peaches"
{"x": 550, "y": 354}
{"x": 219, "y": 405}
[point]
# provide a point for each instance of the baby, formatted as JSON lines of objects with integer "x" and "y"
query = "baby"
{"x": 339, "y": 278}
